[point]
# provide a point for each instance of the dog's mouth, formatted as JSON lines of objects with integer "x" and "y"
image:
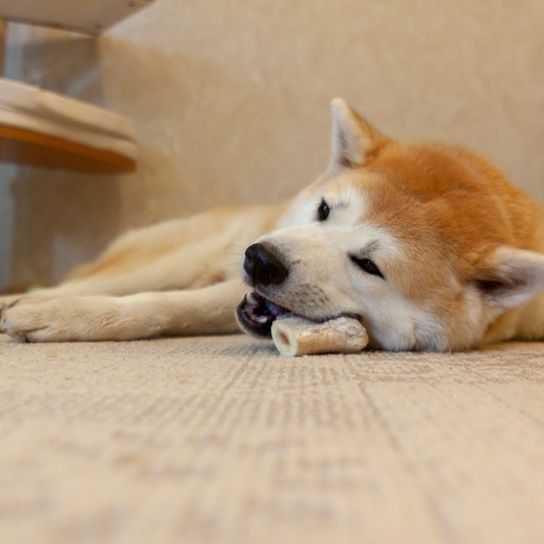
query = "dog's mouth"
{"x": 256, "y": 314}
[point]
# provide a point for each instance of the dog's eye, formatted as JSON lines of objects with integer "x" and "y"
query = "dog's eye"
{"x": 323, "y": 211}
{"x": 368, "y": 266}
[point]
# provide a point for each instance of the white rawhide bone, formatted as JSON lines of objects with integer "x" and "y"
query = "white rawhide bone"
{"x": 297, "y": 336}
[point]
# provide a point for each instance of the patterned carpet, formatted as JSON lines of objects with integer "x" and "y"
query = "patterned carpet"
{"x": 219, "y": 440}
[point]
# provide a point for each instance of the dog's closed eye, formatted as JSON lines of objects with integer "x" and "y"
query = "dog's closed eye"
{"x": 367, "y": 265}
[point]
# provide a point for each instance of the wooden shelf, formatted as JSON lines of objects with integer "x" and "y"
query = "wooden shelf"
{"x": 46, "y": 129}
{"x": 87, "y": 16}
{"x": 37, "y": 149}
{"x": 43, "y": 128}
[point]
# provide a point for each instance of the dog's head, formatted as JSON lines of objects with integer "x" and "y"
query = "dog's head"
{"x": 427, "y": 244}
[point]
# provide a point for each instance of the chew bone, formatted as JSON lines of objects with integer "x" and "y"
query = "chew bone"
{"x": 297, "y": 336}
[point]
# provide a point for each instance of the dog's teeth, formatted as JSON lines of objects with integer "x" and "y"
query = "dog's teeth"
{"x": 262, "y": 319}
{"x": 250, "y": 298}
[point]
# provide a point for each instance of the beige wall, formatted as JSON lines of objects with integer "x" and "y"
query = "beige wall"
{"x": 231, "y": 101}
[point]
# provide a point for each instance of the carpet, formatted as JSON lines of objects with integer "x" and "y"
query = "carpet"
{"x": 219, "y": 440}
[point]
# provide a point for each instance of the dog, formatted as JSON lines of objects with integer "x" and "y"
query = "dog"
{"x": 429, "y": 245}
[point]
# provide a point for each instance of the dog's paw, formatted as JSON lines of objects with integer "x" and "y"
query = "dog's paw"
{"x": 33, "y": 322}
{"x": 58, "y": 320}
{"x": 7, "y": 301}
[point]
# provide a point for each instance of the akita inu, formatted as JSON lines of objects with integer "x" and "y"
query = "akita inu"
{"x": 428, "y": 245}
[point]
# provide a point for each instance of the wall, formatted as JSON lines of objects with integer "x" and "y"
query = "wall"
{"x": 231, "y": 102}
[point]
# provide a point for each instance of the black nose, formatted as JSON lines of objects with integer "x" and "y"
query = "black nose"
{"x": 263, "y": 267}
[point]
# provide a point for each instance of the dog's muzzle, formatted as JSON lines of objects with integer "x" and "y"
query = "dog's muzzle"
{"x": 263, "y": 268}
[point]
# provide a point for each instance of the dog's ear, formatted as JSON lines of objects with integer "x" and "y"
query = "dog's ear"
{"x": 511, "y": 277}
{"x": 353, "y": 137}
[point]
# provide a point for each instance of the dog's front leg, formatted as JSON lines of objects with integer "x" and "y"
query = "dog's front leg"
{"x": 209, "y": 310}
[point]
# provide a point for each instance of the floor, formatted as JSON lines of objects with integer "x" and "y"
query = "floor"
{"x": 219, "y": 440}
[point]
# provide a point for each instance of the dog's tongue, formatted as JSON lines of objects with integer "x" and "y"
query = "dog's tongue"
{"x": 274, "y": 309}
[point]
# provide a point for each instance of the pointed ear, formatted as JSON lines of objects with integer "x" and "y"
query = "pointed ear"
{"x": 512, "y": 277}
{"x": 353, "y": 137}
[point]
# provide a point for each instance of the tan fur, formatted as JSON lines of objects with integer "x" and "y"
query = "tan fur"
{"x": 449, "y": 205}
{"x": 132, "y": 251}
{"x": 449, "y": 211}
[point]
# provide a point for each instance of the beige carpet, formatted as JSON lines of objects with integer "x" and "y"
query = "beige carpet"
{"x": 218, "y": 440}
